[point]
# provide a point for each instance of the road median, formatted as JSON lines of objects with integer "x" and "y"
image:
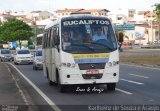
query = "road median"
{"x": 148, "y": 60}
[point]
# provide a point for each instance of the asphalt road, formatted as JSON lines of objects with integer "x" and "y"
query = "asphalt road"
{"x": 137, "y": 86}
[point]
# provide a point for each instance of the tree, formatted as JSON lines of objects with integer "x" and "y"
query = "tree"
{"x": 157, "y": 19}
{"x": 13, "y": 30}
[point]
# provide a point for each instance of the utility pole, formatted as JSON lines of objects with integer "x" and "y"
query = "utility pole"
{"x": 35, "y": 30}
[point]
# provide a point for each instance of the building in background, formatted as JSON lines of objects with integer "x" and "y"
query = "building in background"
{"x": 97, "y": 12}
{"x": 131, "y": 13}
{"x": 19, "y": 15}
{"x": 66, "y": 11}
{"x": 39, "y": 15}
{"x": 142, "y": 19}
{"x": 5, "y": 16}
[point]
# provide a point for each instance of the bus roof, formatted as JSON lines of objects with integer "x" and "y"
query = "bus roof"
{"x": 76, "y": 16}
{"x": 39, "y": 35}
{"x": 80, "y": 16}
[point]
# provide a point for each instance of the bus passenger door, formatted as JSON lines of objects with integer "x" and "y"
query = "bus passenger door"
{"x": 53, "y": 65}
{"x": 49, "y": 55}
{"x": 57, "y": 51}
{"x": 44, "y": 53}
{"x": 54, "y": 34}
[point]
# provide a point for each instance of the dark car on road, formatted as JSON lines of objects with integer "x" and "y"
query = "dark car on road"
{"x": 6, "y": 55}
{"x": 37, "y": 62}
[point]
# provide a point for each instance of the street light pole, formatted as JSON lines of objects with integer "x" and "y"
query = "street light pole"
{"x": 34, "y": 25}
{"x": 35, "y": 34}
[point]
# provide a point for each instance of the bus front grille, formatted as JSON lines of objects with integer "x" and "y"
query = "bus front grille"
{"x": 91, "y": 66}
{"x": 92, "y": 76}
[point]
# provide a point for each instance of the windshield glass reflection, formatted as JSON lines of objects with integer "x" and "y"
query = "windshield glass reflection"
{"x": 88, "y": 36}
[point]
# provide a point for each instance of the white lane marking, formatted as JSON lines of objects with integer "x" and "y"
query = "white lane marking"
{"x": 139, "y": 83}
{"x": 123, "y": 91}
{"x": 138, "y": 76}
{"x": 49, "y": 101}
{"x": 139, "y": 66}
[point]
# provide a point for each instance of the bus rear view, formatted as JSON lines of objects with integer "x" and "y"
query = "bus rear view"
{"x": 87, "y": 52}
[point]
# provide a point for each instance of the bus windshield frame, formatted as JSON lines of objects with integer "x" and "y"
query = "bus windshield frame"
{"x": 80, "y": 35}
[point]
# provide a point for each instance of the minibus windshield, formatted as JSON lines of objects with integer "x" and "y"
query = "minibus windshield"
{"x": 87, "y": 36}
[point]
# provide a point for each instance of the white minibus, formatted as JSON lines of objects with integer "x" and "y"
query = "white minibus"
{"x": 81, "y": 49}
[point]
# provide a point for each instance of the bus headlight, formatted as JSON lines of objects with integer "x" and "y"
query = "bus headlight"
{"x": 64, "y": 64}
{"x": 68, "y": 64}
{"x": 73, "y": 65}
{"x": 114, "y": 63}
{"x": 109, "y": 64}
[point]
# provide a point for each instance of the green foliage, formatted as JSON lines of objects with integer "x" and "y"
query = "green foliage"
{"x": 39, "y": 30}
{"x": 157, "y": 7}
{"x": 13, "y": 30}
{"x": 157, "y": 19}
{"x": 157, "y": 11}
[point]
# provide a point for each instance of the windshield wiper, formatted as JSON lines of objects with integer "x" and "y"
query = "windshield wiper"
{"x": 83, "y": 45}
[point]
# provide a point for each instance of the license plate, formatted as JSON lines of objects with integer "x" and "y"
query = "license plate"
{"x": 92, "y": 72}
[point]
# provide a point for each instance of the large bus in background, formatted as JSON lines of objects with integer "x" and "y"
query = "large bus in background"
{"x": 39, "y": 41}
{"x": 80, "y": 61}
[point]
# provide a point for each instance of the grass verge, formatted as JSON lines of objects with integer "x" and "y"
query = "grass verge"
{"x": 152, "y": 60}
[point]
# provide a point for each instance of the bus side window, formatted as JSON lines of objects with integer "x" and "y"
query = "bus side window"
{"x": 44, "y": 40}
{"x": 49, "y": 38}
{"x": 56, "y": 38}
{"x": 52, "y": 38}
{"x": 46, "y": 45}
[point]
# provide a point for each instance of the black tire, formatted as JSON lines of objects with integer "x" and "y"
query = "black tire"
{"x": 15, "y": 63}
{"x": 36, "y": 68}
{"x": 111, "y": 86}
{"x": 51, "y": 83}
{"x": 0, "y": 60}
{"x": 33, "y": 67}
{"x": 63, "y": 88}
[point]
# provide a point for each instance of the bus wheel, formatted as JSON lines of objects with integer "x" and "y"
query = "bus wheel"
{"x": 36, "y": 68}
{"x": 111, "y": 86}
{"x": 15, "y": 63}
{"x": 51, "y": 83}
{"x": 33, "y": 67}
{"x": 63, "y": 88}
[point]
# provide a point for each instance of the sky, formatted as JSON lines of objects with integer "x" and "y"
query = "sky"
{"x": 53, "y": 5}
